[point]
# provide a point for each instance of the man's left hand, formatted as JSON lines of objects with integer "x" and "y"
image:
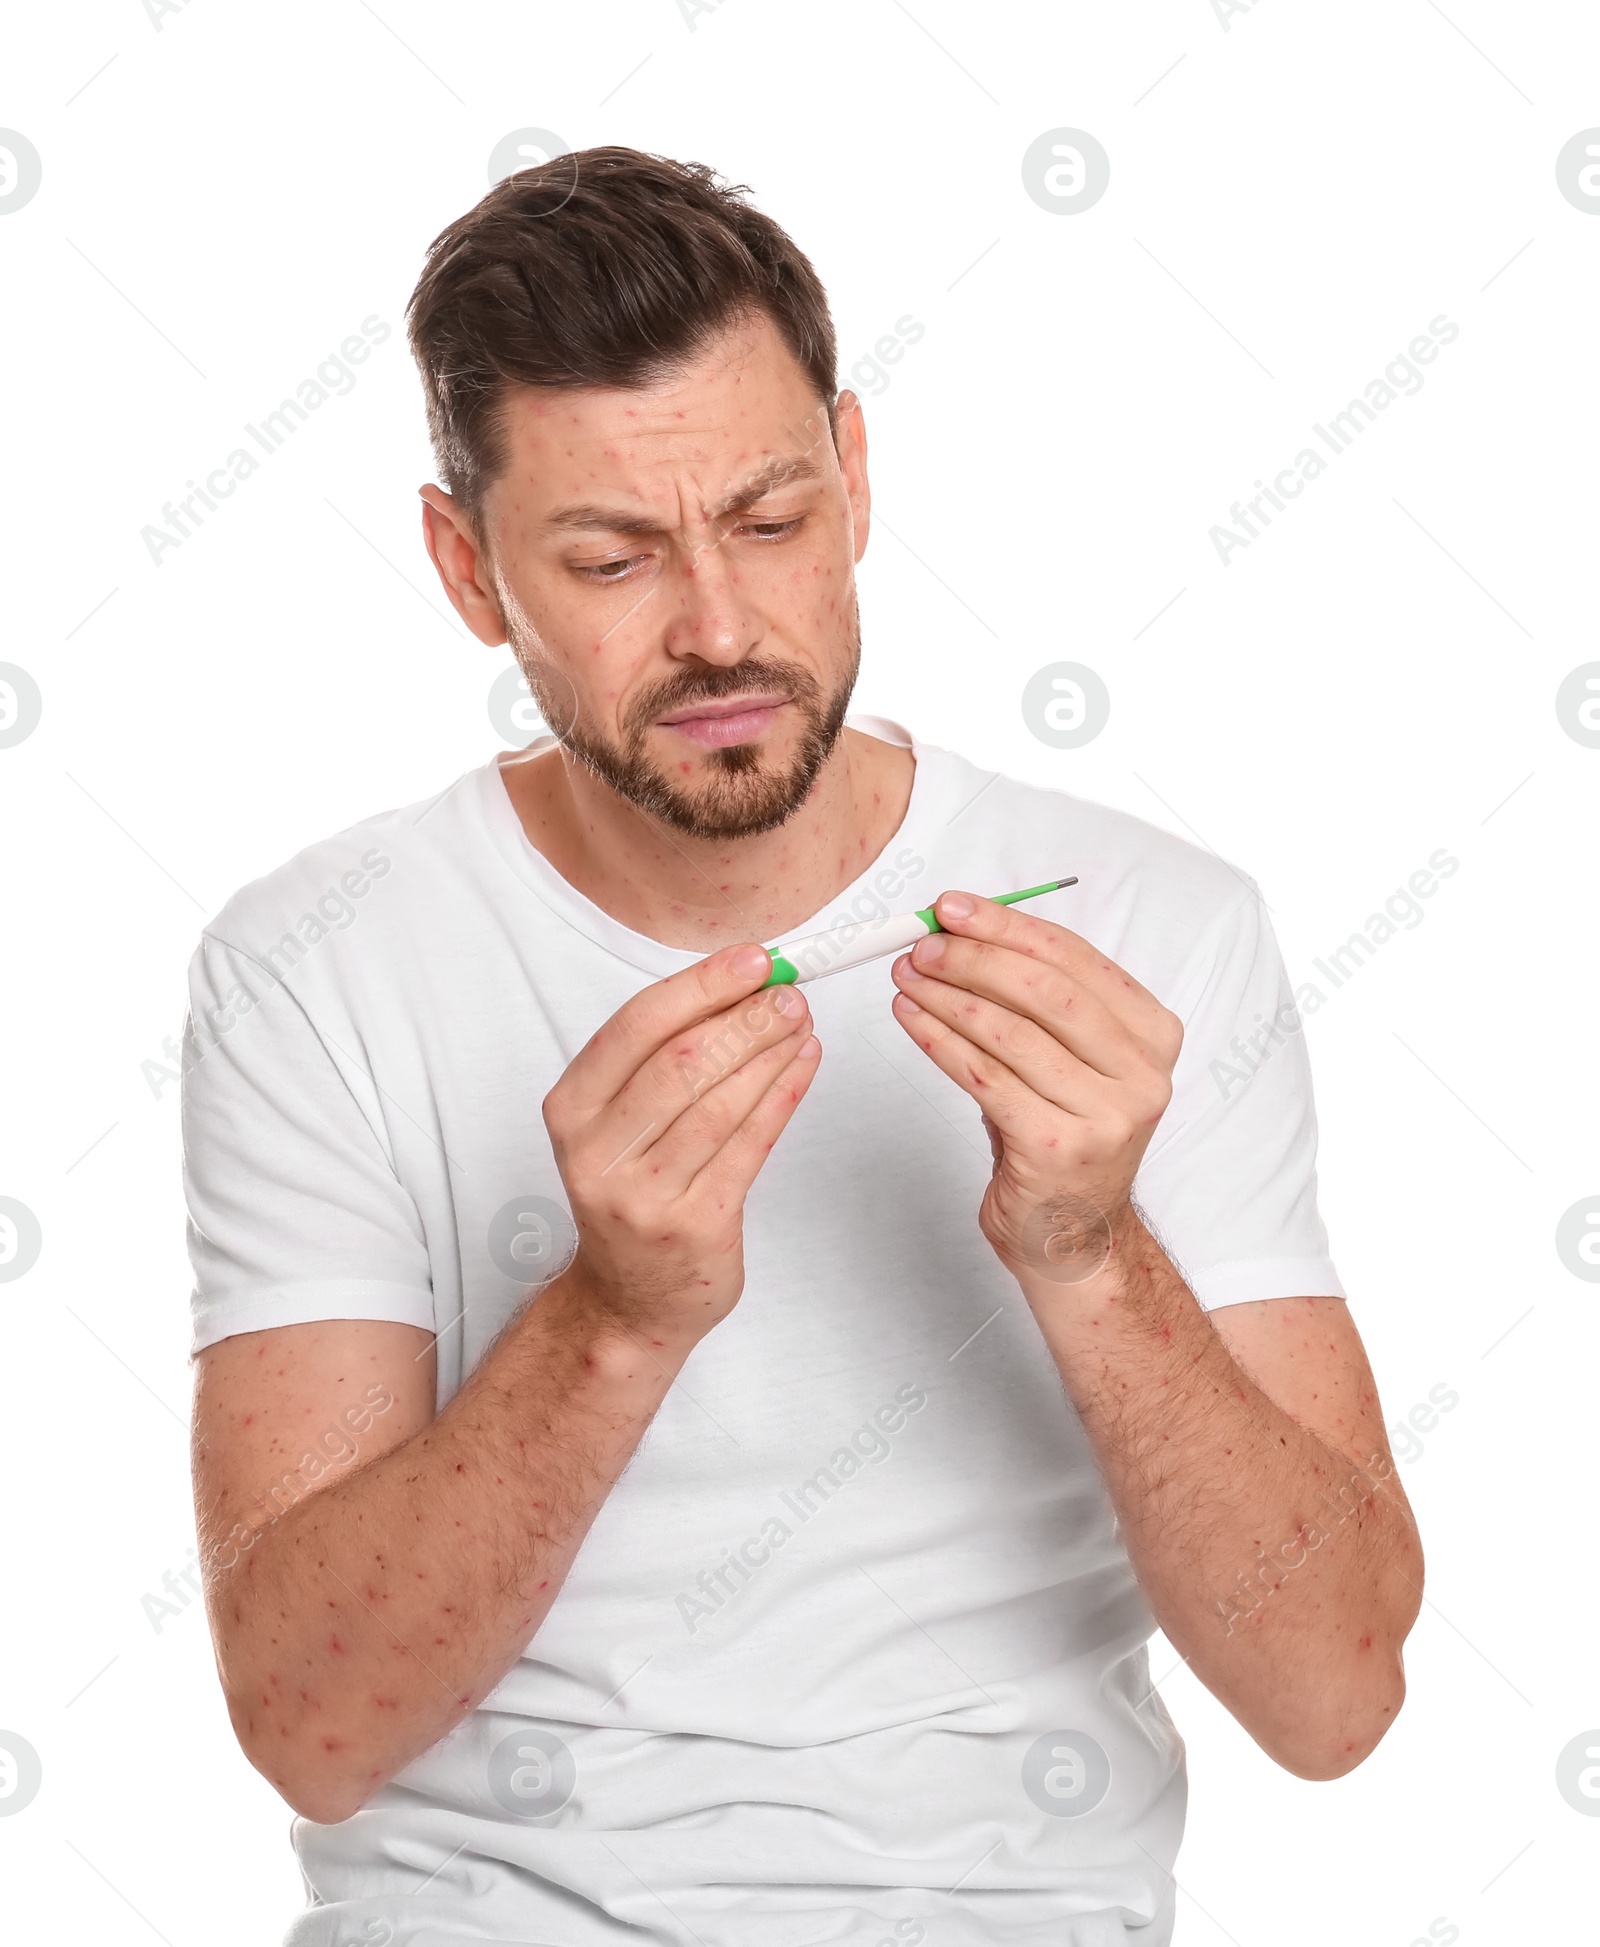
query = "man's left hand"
{"x": 1067, "y": 1055}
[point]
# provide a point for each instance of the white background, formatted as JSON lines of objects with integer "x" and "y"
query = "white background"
{"x": 229, "y": 191}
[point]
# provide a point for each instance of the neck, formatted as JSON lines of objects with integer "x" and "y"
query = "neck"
{"x": 702, "y": 894}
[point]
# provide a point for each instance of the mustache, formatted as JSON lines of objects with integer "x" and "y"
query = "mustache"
{"x": 714, "y": 685}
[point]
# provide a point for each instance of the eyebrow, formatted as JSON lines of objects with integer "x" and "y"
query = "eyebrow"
{"x": 778, "y": 472}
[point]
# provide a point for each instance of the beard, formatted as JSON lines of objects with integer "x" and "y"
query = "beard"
{"x": 746, "y": 793}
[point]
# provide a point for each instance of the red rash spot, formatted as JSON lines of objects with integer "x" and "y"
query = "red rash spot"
{"x": 1366, "y": 1643}
{"x": 336, "y": 1646}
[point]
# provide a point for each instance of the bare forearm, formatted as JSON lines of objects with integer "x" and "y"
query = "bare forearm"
{"x": 367, "y": 1620}
{"x": 1072, "y": 1060}
{"x": 1284, "y": 1570}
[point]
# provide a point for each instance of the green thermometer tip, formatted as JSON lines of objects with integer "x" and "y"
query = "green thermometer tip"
{"x": 1002, "y": 899}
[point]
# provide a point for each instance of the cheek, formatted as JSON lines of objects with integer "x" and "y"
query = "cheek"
{"x": 816, "y": 587}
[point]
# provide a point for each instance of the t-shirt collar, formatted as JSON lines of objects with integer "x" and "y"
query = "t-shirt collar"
{"x": 580, "y": 912}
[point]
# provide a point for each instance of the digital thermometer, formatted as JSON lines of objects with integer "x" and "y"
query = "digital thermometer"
{"x": 868, "y": 939}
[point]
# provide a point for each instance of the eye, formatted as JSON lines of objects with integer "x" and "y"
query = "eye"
{"x": 604, "y": 571}
{"x": 774, "y": 530}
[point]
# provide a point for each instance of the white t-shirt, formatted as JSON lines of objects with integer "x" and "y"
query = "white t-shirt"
{"x": 853, "y": 1652}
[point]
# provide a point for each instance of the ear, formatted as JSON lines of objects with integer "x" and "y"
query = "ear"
{"x": 850, "y": 442}
{"x": 454, "y": 551}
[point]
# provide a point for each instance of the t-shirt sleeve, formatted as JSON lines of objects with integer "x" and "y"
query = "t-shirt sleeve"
{"x": 295, "y": 1210}
{"x": 1229, "y": 1184}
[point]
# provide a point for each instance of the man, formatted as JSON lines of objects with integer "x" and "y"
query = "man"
{"x": 661, "y": 1478}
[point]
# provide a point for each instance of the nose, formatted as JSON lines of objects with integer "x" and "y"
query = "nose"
{"x": 709, "y": 616}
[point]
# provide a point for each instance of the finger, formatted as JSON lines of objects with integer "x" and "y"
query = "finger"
{"x": 693, "y": 1138}
{"x": 1063, "y": 1009}
{"x": 735, "y": 1166}
{"x": 691, "y": 1065}
{"x": 1017, "y": 1043}
{"x": 1003, "y": 1096}
{"x": 614, "y": 1053}
{"x": 1058, "y": 946}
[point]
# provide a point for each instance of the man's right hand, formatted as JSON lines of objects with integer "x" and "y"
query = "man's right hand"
{"x": 659, "y": 1126}
{"x": 419, "y": 1575}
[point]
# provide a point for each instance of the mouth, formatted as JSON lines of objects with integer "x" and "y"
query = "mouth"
{"x": 729, "y": 720}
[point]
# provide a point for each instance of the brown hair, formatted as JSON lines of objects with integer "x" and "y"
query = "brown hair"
{"x": 601, "y": 267}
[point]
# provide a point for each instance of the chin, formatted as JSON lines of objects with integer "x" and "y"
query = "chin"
{"x": 741, "y": 791}
{"x": 738, "y": 791}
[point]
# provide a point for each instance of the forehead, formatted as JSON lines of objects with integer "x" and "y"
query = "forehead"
{"x": 716, "y": 422}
